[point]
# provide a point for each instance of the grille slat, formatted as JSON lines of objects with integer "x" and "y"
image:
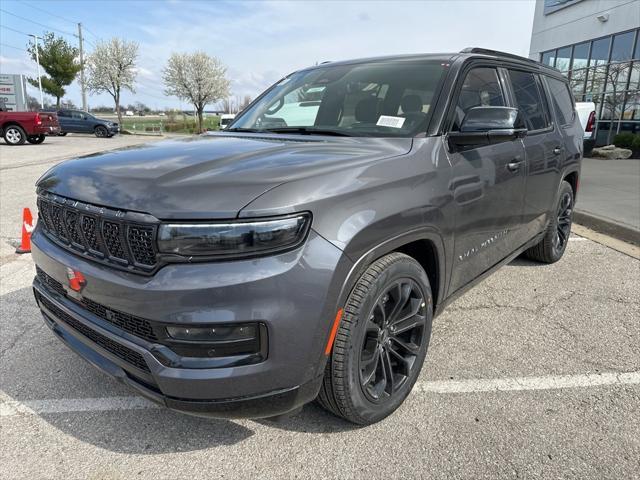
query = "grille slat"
{"x": 102, "y": 237}
{"x": 125, "y": 353}
{"x": 132, "y": 324}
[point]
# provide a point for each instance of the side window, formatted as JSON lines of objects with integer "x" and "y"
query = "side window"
{"x": 77, "y": 115}
{"x": 561, "y": 100}
{"x": 529, "y": 99}
{"x": 64, "y": 113}
{"x": 481, "y": 87}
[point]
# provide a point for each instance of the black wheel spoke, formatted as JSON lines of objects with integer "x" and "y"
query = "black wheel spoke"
{"x": 370, "y": 365}
{"x": 388, "y": 372}
{"x": 407, "y": 347}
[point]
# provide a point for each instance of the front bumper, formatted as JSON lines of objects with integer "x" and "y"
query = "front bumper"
{"x": 293, "y": 294}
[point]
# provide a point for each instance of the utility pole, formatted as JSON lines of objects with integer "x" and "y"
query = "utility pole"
{"x": 39, "y": 75}
{"x": 82, "y": 86}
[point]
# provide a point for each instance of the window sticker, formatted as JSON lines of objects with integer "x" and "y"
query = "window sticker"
{"x": 388, "y": 121}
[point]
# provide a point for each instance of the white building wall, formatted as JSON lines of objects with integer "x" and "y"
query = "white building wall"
{"x": 579, "y": 22}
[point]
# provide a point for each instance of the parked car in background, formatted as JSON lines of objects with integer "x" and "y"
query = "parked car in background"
{"x": 587, "y": 115}
{"x": 32, "y": 127}
{"x": 226, "y": 119}
{"x": 287, "y": 258}
{"x": 77, "y": 121}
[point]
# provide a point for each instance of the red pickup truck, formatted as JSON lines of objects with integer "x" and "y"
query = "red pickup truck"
{"x": 18, "y": 127}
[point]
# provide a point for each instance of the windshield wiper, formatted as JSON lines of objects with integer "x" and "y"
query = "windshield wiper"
{"x": 308, "y": 131}
{"x": 240, "y": 129}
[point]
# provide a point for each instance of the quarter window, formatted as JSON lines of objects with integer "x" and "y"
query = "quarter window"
{"x": 528, "y": 99}
{"x": 481, "y": 87}
{"x": 561, "y": 100}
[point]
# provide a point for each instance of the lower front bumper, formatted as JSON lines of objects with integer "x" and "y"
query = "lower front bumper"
{"x": 65, "y": 325}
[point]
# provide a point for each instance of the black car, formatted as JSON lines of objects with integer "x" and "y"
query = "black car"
{"x": 77, "y": 121}
{"x": 303, "y": 252}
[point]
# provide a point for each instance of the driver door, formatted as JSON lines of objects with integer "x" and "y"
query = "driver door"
{"x": 487, "y": 191}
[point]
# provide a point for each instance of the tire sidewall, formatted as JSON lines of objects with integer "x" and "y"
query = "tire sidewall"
{"x": 368, "y": 410}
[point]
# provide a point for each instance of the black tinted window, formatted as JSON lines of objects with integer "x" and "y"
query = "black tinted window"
{"x": 64, "y": 113}
{"x": 481, "y": 87}
{"x": 528, "y": 99}
{"x": 561, "y": 100}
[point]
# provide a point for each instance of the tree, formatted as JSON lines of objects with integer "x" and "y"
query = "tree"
{"x": 111, "y": 69}
{"x": 196, "y": 78}
{"x": 58, "y": 59}
{"x": 246, "y": 100}
{"x": 616, "y": 77}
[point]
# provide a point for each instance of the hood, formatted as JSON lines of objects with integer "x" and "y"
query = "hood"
{"x": 212, "y": 176}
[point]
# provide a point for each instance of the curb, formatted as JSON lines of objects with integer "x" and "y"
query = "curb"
{"x": 607, "y": 227}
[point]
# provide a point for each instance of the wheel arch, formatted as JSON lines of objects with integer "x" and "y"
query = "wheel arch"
{"x": 425, "y": 245}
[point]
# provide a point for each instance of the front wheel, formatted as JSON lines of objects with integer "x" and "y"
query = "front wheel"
{"x": 36, "y": 139}
{"x": 14, "y": 135}
{"x": 552, "y": 246}
{"x": 101, "y": 132}
{"x": 381, "y": 342}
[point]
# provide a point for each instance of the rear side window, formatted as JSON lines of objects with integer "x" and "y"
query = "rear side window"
{"x": 481, "y": 87}
{"x": 561, "y": 100}
{"x": 529, "y": 99}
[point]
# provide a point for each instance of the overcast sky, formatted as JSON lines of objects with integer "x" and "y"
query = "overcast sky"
{"x": 262, "y": 41}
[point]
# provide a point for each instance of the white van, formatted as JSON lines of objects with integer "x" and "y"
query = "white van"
{"x": 225, "y": 120}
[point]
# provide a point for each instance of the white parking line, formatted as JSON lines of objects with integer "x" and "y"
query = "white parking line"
{"x": 10, "y": 407}
{"x": 529, "y": 383}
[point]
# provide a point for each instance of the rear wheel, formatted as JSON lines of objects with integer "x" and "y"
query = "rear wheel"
{"x": 381, "y": 343}
{"x": 556, "y": 237}
{"x": 14, "y": 135}
{"x": 101, "y": 132}
{"x": 36, "y": 139}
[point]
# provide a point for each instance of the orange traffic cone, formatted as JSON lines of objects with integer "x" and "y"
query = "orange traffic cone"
{"x": 27, "y": 228}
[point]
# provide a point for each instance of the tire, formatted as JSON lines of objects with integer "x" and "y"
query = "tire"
{"x": 101, "y": 132}
{"x": 355, "y": 385}
{"x": 14, "y": 135}
{"x": 36, "y": 139}
{"x": 552, "y": 246}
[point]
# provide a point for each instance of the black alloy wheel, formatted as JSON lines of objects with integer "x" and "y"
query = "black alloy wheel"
{"x": 556, "y": 237}
{"x": 563, "y": 222}
{"x": 101, "y": 132}
{"x": 395, "y": 332}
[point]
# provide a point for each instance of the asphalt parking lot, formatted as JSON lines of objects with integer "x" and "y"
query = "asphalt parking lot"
{"x": 535, "y": 373}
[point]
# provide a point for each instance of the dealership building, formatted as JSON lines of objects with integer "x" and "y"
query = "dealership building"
{"x": 596, "y": 43}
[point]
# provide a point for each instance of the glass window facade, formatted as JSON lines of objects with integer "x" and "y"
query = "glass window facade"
{"x": 605, "y": 71}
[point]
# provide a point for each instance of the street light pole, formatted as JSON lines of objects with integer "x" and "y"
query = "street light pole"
{"x": 39, "y": 75}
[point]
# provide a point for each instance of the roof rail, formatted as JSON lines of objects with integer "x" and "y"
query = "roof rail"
{"x": 497, "y": 53}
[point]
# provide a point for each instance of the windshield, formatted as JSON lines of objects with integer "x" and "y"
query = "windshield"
{"x": 381, "y": 99}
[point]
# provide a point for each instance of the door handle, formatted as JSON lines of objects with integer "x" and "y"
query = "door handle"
{"x": 514, "y": 166}
{"x": 557, "y": 151}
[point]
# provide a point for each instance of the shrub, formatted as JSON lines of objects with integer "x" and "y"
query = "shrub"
{"x": 635, "y": 144}
{"x": 624, "y": 140}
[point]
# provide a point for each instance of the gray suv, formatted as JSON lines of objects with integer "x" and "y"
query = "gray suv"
{"x": 302, "y": 253}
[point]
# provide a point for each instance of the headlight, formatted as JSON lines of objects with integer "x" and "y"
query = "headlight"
{"x": 241, "y": 238}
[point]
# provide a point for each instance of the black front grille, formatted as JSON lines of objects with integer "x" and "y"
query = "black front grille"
{"x": 120, "y": 351}
{"x": 132, "y": 324}
{"x": 104, "y": 235}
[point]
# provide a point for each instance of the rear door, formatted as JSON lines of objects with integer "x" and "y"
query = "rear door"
{"x": 544, "y": 148}
{"x": 487, "y": 192}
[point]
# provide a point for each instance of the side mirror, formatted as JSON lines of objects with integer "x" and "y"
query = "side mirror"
{"x": 487, "y": 126}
